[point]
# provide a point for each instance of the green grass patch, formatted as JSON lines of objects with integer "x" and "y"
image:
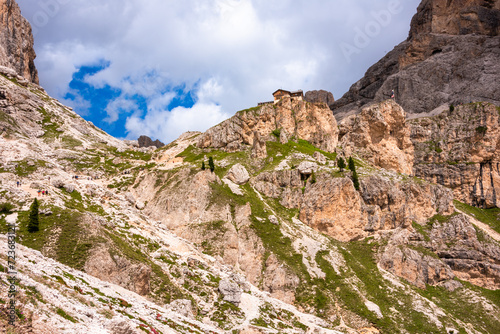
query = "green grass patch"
{"x": 65, "y": 315}
{"x": 72, "y": 245}
{"x": 490, "y": 217}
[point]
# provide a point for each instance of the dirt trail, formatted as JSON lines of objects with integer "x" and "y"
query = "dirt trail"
{"x": 484, "y": 227}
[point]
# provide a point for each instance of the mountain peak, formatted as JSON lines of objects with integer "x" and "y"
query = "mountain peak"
{"x": 16, "y": 41}
{"x": 463, "y": 17}
{"x": 443, "y": 60}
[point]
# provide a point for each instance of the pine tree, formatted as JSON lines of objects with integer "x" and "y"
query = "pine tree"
{"x": 203, "y": 165}
{"x": 352, "y": 167}
{"x": 341, "y": 164}
{"x": 33, "y": 223}
{"x": 355, "y": 180}
{"x": 211, "y": 164}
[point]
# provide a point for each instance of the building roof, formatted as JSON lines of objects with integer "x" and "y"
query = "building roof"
{"x": 289, "y": 92}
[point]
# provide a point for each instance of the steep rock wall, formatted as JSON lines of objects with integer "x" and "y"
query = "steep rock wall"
{"x": 16, "y": 41}
{"x": 379, "y": 135}
{"x": 460, "y": 150}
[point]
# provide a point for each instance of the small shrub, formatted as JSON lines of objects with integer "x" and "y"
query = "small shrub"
{"x": 313, "y": 178}
{"x": 203, "y": 165}
{"x": 277, "y": 133}
{"x": 6, "y": 207}
{"x": 452, "y": 108}
{"x": 481, "y": 129}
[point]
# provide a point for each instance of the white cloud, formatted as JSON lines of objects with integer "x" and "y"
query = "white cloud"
{"x": 234, "y": 53}
{"x": 166, "y": 125}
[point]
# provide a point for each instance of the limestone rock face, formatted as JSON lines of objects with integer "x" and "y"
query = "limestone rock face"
{"x": 118, "y": 270}
{"x": 459, "y": 149}
{"x": 333, "y": 206}
{"x": 442, "y": 61}
{"x": 319, "y": 96}
{"x": 457, "y": 244}
{"x": 380, "y": 135}
{"x": 238, "y": 174}
{"x": 452, "y": 249}
{"x": 279, "y": 280}
{"x": 312, "y": 122}
{"x": 415, "y": 267}
{"x": 16, "y": 41}
{"x": 321, "y": 205}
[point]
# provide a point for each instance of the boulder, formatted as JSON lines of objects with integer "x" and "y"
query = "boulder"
{"x": 140, "y": 205}
{"x": 35, "y": 185}
{"x": 238, "y": 174}
{"x": 230, "y": 291}
{"x": 69, "y": 187}
{"x": 58, "y": 183}
{"x": 273, "y": 220}
{"x": 307, "y": 167}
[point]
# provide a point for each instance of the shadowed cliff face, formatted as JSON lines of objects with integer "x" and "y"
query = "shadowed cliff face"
{"x": 459, "y": 149}
{"x": 16, "y": 41}
{"x": 451, "y": 55}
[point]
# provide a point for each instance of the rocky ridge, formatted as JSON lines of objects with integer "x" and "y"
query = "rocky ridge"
{"x": 450, "y": 56}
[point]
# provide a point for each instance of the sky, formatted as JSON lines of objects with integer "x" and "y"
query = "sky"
{"x": 163, "y": 67}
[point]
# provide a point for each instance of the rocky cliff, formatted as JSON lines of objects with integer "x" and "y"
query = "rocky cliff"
{"x": 380, "y": 135}
{"x": 16, "y": 41}
{"x": 451, "y": 55}
{"x": 288, "y": 119}
{"x": 459, "y": 149}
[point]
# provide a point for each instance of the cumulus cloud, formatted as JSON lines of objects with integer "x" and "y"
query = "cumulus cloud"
{"x": 161, "y": 124}
{"x": 231, "y": 54}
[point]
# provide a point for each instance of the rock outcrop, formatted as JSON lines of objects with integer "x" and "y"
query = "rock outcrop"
{"x": 319, "y": 96}
{"x": 16, "y": 41}
{"x": 119, "y": 270}
{"x": 380, "y": 135}
{"x": 438, "y": 254}
{"x": 333, "y": 206}
{"x": 459, "y": 149}
{"x": 451, "y": 55}
{"x": 308, "y": 121}
{"x": 145, "y": 141}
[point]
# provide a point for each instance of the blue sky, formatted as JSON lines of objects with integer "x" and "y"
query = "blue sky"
{"x": 163, "y": 67}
